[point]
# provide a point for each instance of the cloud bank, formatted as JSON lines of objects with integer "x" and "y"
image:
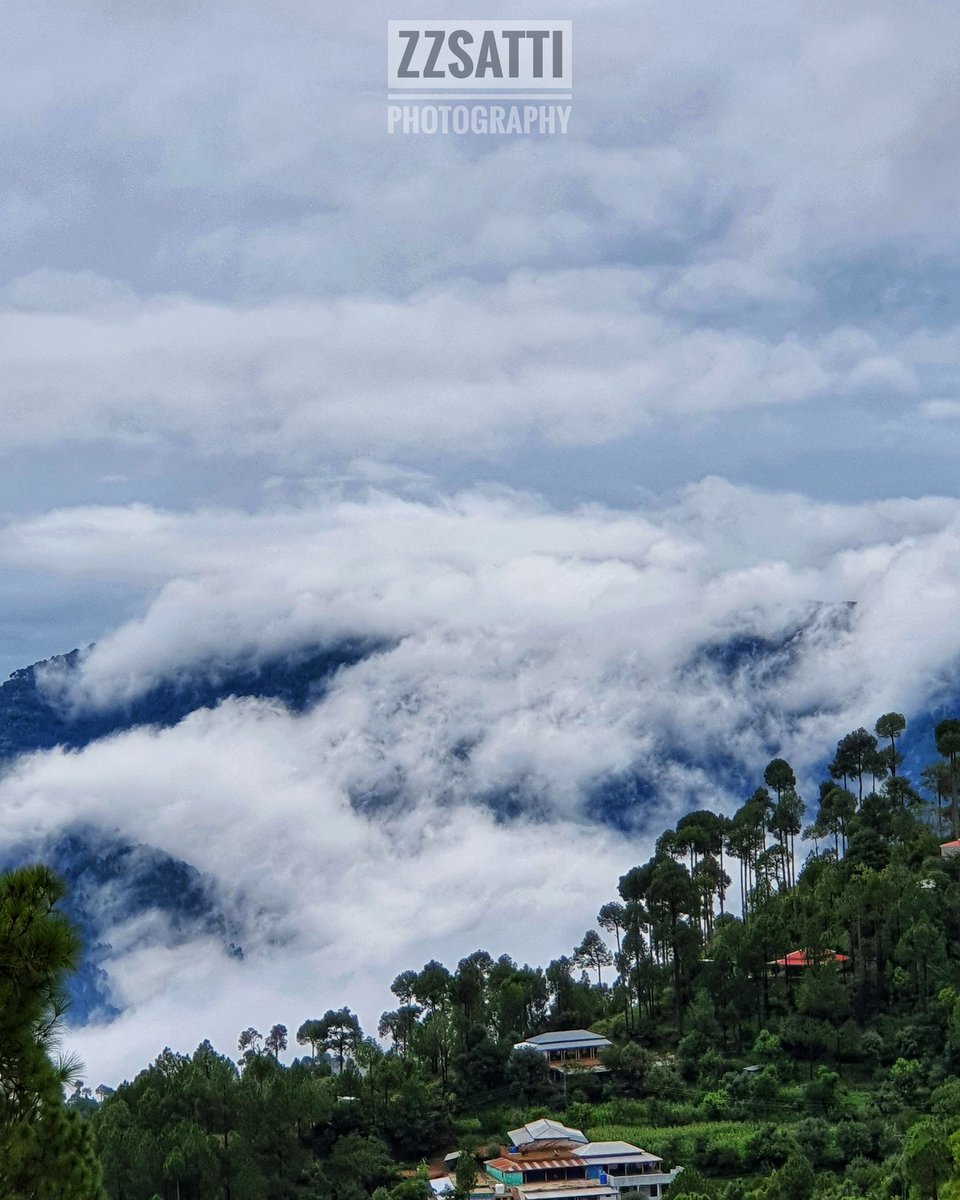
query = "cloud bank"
{"x": 570, "y": 358}
{"x": 443, "y": 794}
{"x": 217, "y": 250}
{"x": 257, "y": 354}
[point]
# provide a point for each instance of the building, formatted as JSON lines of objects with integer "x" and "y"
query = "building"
{"x": 628, "y": 1168}
{"x": 566, "y": 1049}
{"x": 798, "y": 960}
{"x": 545, "y": 1133}
{"x": 949, "y": 849}
{"x": 547, "y": 1160}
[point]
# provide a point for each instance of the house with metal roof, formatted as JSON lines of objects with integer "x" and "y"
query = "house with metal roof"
{"x": 562, "y": 1168}
{"x": 627, "y": 1168}
{"x": 798, "y": 960}
{"x": 566, "y": 1049}
{"x": 541, "y": 1133}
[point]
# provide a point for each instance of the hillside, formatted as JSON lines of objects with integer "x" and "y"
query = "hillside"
{"x": 798, "y": 1040}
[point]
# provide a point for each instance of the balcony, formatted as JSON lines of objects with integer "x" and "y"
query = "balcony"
{"x": 644, "y": 1180}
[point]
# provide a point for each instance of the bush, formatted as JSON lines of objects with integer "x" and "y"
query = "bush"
{"x": 854, "y": 1140}
{"x": 770, "y": 1146}
{"x": 820, "y": 1096}
{"x": 724, "y": 1160}
{"x": 580, "y": 1115}
{"x": 663, "y": 1079}
{"x": 691, "y": 1185}
{"x": 710, "y": 1067}
{"x": 716, "y": 1158}
{"x": 945, "y": 1101}
{"x": 861, "y": 1176}
{"x": 715, "y": 1106}
{"x": 795, "y": 1179}
{"x": 815, "y": 1138}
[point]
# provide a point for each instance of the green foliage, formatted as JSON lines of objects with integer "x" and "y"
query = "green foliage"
{"x": 926, "y": 1157}
{"x": 766, "y": 1048}
{"x": 769, "y": 1146}
{"x": 195, "y": 1124}
{"x": 945, "y": 1100}
{"x": 691, "y": 1185}
{"x": 338, "y": 1033}
{"x": 795, "y": 1180}
{"x": 45, "y": 1149}
{"x": 833, "y": 1077}
{"x": 465, "y": 1175}
{"x": 731, "y": 1134}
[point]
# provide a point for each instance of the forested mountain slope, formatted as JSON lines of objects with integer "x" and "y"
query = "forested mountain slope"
{"x": 796, "y": 1037}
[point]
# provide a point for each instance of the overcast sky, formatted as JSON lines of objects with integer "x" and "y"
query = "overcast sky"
{"x": 547, "y": 412}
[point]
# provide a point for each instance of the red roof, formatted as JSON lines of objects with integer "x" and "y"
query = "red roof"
{"x": 502, "y": 1164}
{"x": 955, "y": 842}
{"x": 549, "y": 1164}
{"x": 800, "y": 958}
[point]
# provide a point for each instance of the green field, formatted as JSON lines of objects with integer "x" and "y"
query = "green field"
{"x": 683, "y": 1138}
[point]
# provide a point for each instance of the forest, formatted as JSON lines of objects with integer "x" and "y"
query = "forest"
{"x": 834, "y": 1077}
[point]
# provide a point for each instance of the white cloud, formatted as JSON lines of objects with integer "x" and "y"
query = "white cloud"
{"x": 941, "y": 410}
{"x": 215, "y": 247}
{"x": 46, "y": 290}
{"x": 525, "y": 651}
{"x": 737, "y": 194}
{"x": 569, "y": 358}
{"x": 331, "y": 903}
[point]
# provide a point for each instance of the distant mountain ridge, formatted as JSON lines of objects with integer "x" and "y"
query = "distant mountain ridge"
{"x": 113, "y": 880}
{"x": 32, "y": 719}
{"x": 110, "y": 878}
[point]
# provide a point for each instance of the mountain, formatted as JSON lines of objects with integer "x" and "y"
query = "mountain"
{"x": 32, "y": 718}
{"x": 112, "y": 881}
{"x": 116, "y": 883}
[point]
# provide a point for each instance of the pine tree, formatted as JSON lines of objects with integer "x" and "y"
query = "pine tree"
{"x": 46, "y": 1152}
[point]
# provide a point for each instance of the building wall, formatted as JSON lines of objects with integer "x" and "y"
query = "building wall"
{"x": 510, "y": 1178}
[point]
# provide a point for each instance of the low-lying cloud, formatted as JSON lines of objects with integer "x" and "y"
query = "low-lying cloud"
{"x": 440, "y": 796}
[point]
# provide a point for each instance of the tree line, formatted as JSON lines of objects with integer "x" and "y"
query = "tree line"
{"x": 680, "y": 973}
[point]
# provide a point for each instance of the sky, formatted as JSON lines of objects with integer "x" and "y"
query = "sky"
{"x": 545, "y": 414}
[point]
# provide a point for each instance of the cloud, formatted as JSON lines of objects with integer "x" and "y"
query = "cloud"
{"x": 328, "y": 902}
{"x": 563, "y": 359}
{"x": 528, "y": 657}
{"x": 748, "y": 239}
{"x": 249, "y": 153}
{"x": 66, "y": 291}
{"x": 492, "y": 590}
{"x": 221, "y": 268}
{"x": 941, "y": 410}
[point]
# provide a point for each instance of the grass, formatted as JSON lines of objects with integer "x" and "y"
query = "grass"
{"x": 857, "y": 1100}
